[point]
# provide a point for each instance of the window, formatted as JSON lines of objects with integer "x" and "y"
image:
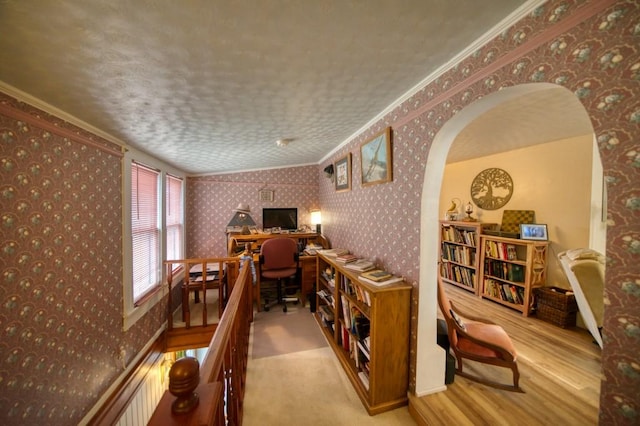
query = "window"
{"x": 145, "y": 230}
{"x": 153, "y": 215}
{"x": 174, "y": 221}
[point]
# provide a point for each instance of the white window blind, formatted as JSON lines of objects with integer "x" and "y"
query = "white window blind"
{"x": 174, "y": 218}
{"x": 145, "y": 231}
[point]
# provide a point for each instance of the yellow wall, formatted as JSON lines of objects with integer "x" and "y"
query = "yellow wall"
{"x": 553, "y": 179}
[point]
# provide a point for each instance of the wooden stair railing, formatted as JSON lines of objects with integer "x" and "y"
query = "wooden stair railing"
{"x": 227, "y": 273}
{"x": 219, "y": 383}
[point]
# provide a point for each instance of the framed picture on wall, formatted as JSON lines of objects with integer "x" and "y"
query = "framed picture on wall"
{"x": 342, "y": 171}
{"x": 533, "y": 231}
{"x": 375, "y": 159}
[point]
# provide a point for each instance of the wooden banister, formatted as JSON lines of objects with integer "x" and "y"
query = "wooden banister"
{"x": 224, "y": 366}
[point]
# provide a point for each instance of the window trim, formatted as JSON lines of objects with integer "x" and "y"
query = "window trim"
{"x": 132, "y": 313}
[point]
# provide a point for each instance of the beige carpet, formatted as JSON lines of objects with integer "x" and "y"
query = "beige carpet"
{"x": 303, "y": 386}
{"x": 282, "y": 333}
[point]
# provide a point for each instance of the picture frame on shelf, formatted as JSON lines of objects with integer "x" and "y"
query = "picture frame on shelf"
{"x": 342, "y": 170}
{"x": 375, "y": 159}
{"x": 533, "y": 231}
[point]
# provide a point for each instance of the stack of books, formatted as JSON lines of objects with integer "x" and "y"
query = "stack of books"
{"x": 360, "y": 265}
{"x": 346, "y": 258}
{"x": 379, "y": 277}
{"x": 335, "y": 252}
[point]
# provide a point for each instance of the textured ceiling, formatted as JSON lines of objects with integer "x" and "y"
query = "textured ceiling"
{"x": 209, "y": 86}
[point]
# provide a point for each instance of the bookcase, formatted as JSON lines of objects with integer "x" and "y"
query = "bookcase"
{"x": 511, "y": 269}
{"x": 368, "y": 328}
{"x": 459, "y": 255}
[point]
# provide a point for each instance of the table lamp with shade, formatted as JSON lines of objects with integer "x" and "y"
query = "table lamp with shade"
{"x": 316, "y": 219}
{"x": 241, "y": 219}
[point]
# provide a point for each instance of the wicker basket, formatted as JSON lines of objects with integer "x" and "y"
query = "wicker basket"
{"x": 557, "y": 298}
{"x": 556, "y": 316}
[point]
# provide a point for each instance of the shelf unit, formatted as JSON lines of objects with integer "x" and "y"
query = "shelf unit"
{"x": 511, "y": 269}
{"x": 368, "y": 328}
{"x": 459, "y": 256}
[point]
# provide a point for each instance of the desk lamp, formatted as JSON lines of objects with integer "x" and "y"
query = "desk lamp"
{"x": 241, "y": 218}
{"x": 316, "y": 219}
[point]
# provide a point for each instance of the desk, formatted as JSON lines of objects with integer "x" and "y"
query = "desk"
{"x": 237, "y": 242}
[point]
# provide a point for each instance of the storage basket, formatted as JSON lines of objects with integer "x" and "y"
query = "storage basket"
{"x": 557, "y": 298}
{"x": 556, "y": 316}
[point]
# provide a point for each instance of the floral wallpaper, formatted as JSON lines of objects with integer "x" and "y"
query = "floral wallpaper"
{"x": 60, "y": 269}
{"x": 589, "y": 47}
{"x": 60, "y": 188}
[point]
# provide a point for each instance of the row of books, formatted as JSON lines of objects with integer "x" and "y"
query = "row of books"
{"x": 459, "y": 254}
{"x": 503, "y": 270}
{"x": 357, "y": 323}
{"x": 458, "y": 274}
{"x": 461, "y": 236}
{"x": 500, "y": 250}
{"x": 360, "y": 293}
{"x": 507, "y": 292}
{"x": 329, "y": 276}
{"x": 327, "y": 297}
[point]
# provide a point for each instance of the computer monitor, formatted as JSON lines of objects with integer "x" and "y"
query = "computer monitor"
{"x": 285, "y": 218}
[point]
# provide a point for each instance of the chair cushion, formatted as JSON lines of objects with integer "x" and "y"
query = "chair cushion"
{"x": 490, "y": 333}
{"x": 279, "y": 273}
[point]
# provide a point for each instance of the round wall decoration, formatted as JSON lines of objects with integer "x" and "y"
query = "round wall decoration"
{"x": 491, "y": 189}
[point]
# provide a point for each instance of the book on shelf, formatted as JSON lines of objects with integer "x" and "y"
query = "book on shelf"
{"x": 362, "y": 295}
{"x": 346, "y": 258}
{"x": 346, "y": 310}
{"x": 328, "y": 298}
{"x": 345, "y": 339}
{"x": 360, "y": 265}
{"x": 326, "y": 313}
{"x": 376, "y": 275}
{"x": 335, "y": 252}
{"x": 383, "y": 283}
{"x": 364, "y": 350}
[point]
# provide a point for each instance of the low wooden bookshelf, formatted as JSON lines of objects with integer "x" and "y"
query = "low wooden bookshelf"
{"x": 368, "y": 328}
{"x": 510, "y": 270}
{"x": 459, "y": 257}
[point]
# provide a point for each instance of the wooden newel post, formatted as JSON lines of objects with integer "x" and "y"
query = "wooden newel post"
{"x": 184, "y": 378}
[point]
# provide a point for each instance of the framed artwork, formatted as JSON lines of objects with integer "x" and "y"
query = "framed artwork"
{"x": 375, "y": 159}
{"x": 266, "y": 195}
{"x": 533, "y": 231}
{"x": 342, "y": 170}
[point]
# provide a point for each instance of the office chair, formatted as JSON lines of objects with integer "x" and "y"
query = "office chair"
{"x": 279, "y": 261}
{"x": 480, "y": 340}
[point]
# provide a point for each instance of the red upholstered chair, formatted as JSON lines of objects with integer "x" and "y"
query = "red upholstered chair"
{"x": 279, "y": 262}
{"x": 479, "y": 340}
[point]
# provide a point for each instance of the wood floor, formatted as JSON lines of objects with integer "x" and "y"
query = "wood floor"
{"x": 560, "y": 374}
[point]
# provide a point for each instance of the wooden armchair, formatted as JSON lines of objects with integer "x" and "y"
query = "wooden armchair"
{"x": 478, "y": 339}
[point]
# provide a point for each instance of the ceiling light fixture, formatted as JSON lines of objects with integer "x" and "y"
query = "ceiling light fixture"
{"x": 284, "y": 142}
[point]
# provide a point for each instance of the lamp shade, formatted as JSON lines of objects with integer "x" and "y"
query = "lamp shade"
{"x": 242, "y": 208}
{"x": 316, "y": 217}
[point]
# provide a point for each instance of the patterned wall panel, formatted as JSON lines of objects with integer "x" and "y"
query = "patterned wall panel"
{"x": 61, "y": 269}
{"x": 590, "y": 48}
{"x": 211, "y": 200}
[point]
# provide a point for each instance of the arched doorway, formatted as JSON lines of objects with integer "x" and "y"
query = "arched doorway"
{"x": 429, "y": 357}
